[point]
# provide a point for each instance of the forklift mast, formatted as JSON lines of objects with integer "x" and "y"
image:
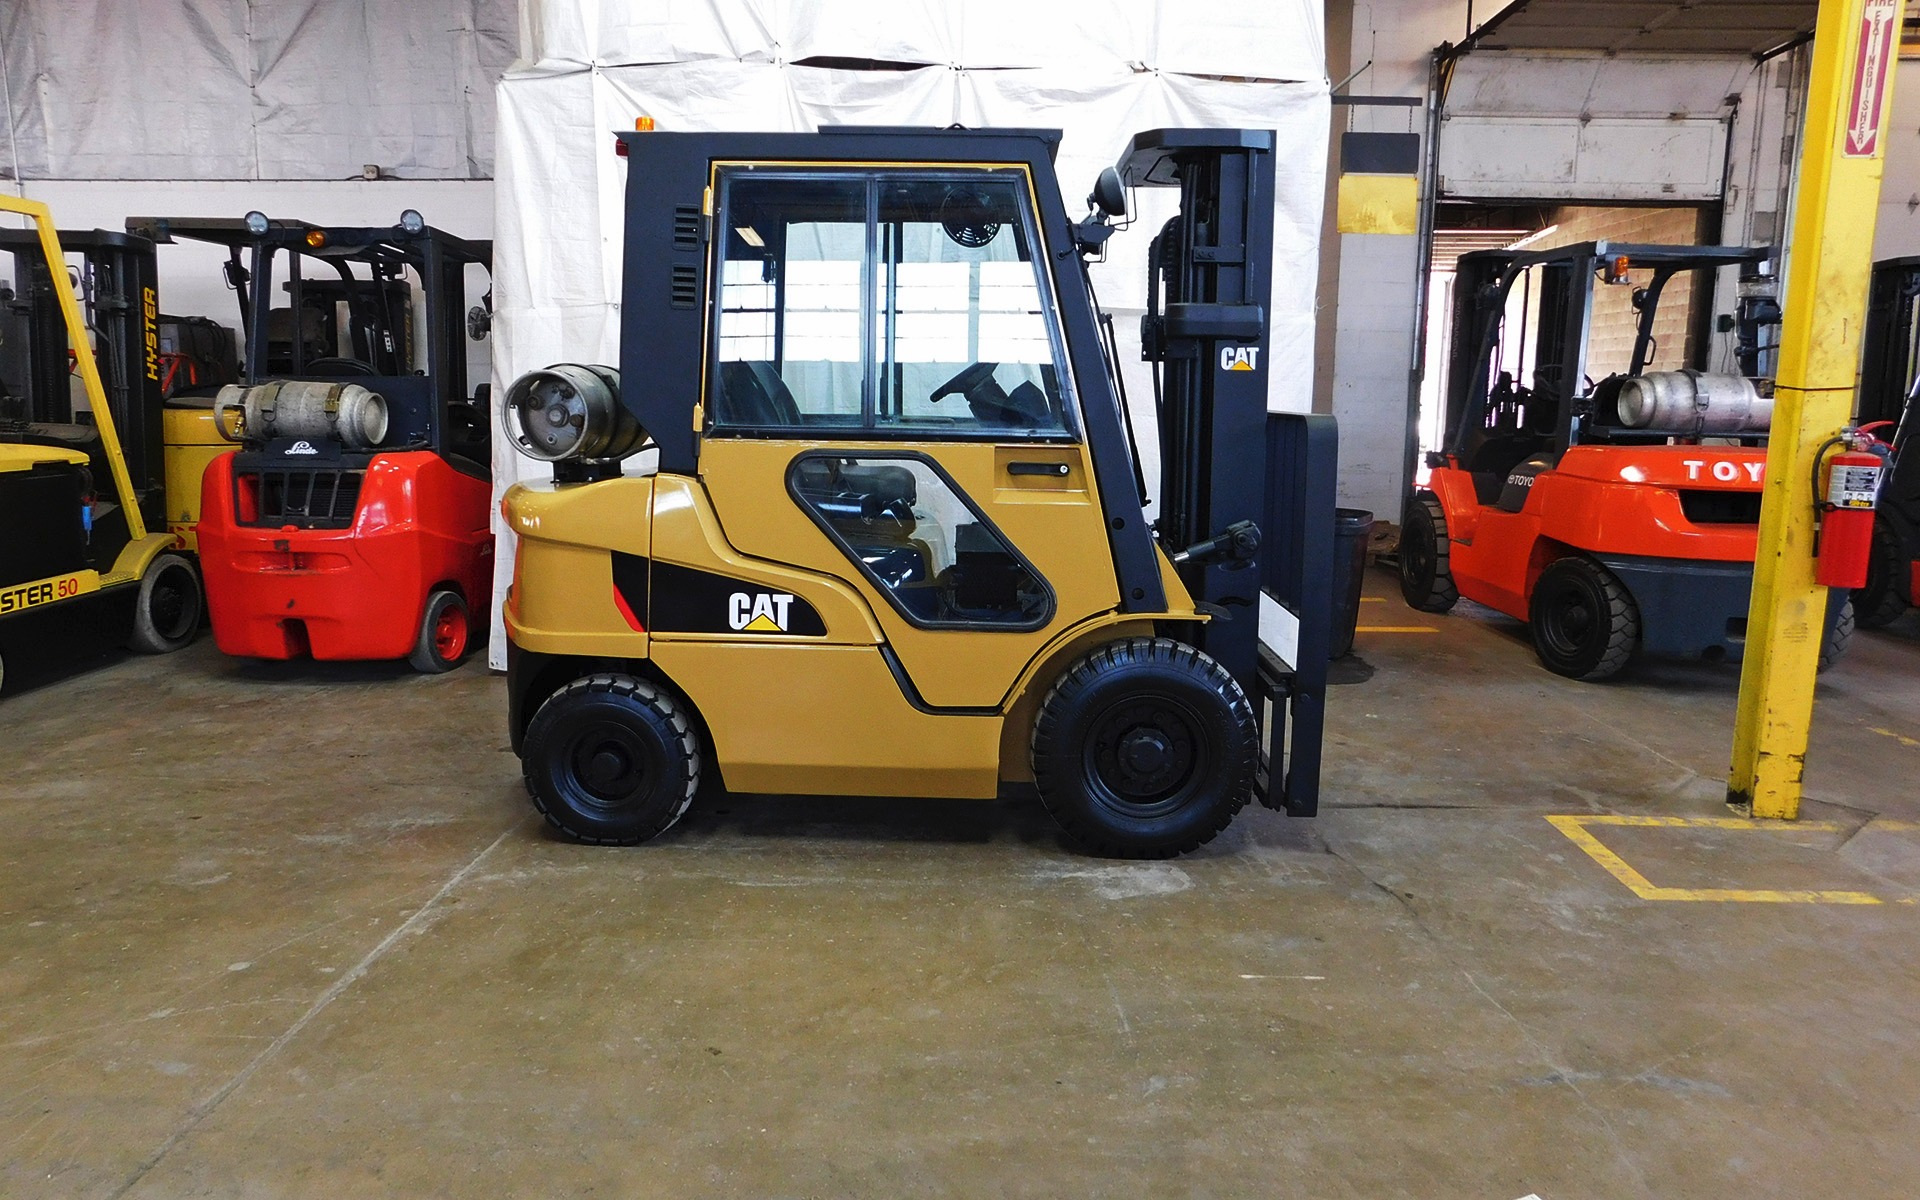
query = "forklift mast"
{"x": 1888, "y": 357}
{"x": 1209, "y": 288}
{"x": 120, "y": 299}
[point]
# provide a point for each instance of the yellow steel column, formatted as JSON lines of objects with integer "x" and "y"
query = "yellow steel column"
{"x": 1855, "y": 48}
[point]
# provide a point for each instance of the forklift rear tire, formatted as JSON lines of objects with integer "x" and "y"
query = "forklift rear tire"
{"x": 1880, "y": 602}
{"x": 1834, "y": 647}
{"x": 167, "y": 615}
{"x": 1585, "y": 623}
{"x": 1144, "y": 749}
{"x": 1426, "y": 572}
{"x": 611, "y": 760}
{"x": 444, "y": 635}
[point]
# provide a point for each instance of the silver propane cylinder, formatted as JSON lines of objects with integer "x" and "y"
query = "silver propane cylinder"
{"x": 1694, "y": 403}
{"x": 299, "y": 408}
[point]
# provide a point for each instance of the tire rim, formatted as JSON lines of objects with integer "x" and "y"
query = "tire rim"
{"x": 174, "y": 603}
{"x": 1145, "y": 756}
{"x": 610, "y": 764}
{"x": 450, "y": 633}
{"x": 1568, "y": 621}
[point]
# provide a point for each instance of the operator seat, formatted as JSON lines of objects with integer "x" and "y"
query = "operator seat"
{"x": 1027, "y": 405}
{"x": 752, "y": 393}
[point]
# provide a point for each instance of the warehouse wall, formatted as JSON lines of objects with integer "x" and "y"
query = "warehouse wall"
{"x": 251, "y": 89}
{"x": 1615, "y": 323}
{"x": 1368, "y": 281}
{"x": 1898, "y": 231}
{"x": 121, "y": 108}
{"x": 1627, "y": 145}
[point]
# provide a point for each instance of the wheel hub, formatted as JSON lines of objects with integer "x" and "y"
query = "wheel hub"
{"x": 606, "y": 767}
{"x": 1143, "y": 752}
{"x": 609, "y": 766}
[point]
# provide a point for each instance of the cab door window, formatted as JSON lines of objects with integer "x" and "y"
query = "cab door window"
{"x": 885, "y": 302}
{"x": 918, "y": 540}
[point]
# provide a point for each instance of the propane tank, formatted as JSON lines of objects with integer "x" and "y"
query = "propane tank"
{"x": 1846, "y": 523}
{"x": 1694, "y": 403}
{"x": 342, "y": 412}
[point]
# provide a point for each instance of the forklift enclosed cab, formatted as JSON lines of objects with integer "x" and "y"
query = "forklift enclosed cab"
{"x": 1890, "y": 408}
{"x": 897, "y": 543}
{"x": 85, "y": 564}
{"x": 1596, "y": 479}
{"x": 352, "y": 520}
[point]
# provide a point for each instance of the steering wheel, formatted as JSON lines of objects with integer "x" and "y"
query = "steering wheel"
{"x": 968, "y": 379}
{"x": 342, "y": 366}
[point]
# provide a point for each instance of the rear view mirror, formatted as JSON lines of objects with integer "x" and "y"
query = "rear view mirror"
{"x": 1109, "y": 195}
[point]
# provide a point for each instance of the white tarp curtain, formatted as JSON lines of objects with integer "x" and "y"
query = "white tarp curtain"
{"x": 1098, "y": 72}
{"x": 251, "y": 89}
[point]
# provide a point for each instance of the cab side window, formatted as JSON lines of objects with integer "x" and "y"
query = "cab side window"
{"x": 883, "y": 301}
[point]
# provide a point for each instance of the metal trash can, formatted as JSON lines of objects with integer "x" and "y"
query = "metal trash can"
{"x": 1352, "y": 527}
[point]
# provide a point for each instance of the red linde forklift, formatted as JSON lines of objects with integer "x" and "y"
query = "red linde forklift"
{"x": 1615, "y": 515}
{"x": 897, "y": 543}
{"x": 352, "y": 522}
{"x": 85, "y": 563}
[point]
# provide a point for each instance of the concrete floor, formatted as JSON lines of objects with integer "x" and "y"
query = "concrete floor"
{"x": 294, "y": 932}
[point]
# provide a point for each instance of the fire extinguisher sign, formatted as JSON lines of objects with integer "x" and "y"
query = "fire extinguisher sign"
{"x": 1872, "y": 59}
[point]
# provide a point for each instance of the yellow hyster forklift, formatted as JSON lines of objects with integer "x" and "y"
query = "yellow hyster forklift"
{"x": 84, "y": 561}
{"x": 898, "y": 542}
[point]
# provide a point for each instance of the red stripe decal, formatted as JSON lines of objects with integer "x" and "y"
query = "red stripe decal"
{"x": 620, "y": 602}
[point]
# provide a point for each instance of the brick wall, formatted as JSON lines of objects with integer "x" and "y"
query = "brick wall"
{"x": 1610, "y": 337}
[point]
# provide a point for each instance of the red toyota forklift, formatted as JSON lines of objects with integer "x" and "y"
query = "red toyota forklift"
{"x": 1608, "y": 496}
{"x": 897, "y": 543}
{"x": 352, "y": 521}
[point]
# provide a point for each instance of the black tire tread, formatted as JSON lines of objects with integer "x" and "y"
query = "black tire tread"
{"x": 424, "y": 658}
{"x": 1876, "y": 607}
{"x": 1082, "y": 674}
{"x": 1440, "y": 594}
{"x": 145, "y": 637}
{"x": 1623, "y": 619}
{"x": 661, "y": 703}
{"x": 1833, "y": 646}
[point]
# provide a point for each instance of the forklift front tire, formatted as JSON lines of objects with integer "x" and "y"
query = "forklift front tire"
{"x": 167, "y": 615}
{"x": 611, "y": 760}
{"x": 444, "y": 633}
{"x": 1585, "y": 624}
{"x": 1144, "y": 749}
{"x": 1880, "y": 602}
{"x": 1426, "y": 573}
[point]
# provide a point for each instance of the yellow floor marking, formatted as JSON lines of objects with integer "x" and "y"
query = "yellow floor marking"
{"x": 1910, "y": 743}
{"x": 1373, "y": 599}
{"x": 1575, "y": 829}
{"x": 1395, "y": 629}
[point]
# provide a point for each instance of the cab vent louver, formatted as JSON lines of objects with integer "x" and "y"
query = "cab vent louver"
{"x": 686, "y": 287}
{"x": 686, "y": 227}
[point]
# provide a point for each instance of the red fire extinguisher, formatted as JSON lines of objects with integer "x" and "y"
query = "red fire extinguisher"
{"x": 1846, "y": 508}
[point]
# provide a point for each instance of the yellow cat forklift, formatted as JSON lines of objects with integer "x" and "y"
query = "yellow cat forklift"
{"x": 84, "y": 563}
{"x": 898, "y": 542}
